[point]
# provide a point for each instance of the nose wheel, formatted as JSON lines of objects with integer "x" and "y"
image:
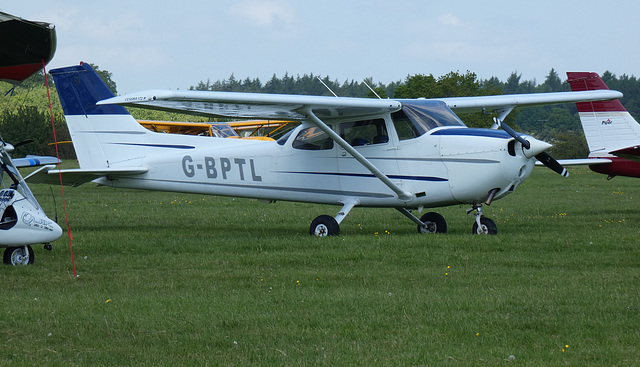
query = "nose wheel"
{"x": 482, "y": 225}
{"x": 486, "y": 226}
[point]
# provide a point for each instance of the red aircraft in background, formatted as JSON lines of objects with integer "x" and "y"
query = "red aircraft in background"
{"x": 612, "y": 134}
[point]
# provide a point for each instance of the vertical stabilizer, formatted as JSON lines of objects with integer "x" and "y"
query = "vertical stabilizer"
{"x": 607, "y": 124}
{"x": 102, "y": 136}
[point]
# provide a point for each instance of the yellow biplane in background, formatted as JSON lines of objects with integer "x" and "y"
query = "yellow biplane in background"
{"x": 255, "y": 129}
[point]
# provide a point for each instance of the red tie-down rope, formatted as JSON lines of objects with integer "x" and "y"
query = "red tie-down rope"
{"x": 55, "y": 140}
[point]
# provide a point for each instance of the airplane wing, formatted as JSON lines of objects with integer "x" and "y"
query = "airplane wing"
{"x": 76, "y": 177}
{"x": 292, "y": 107}
{"x": 499, "y": 103}
{"x": 34, "y": 160}
{"x": 254, "y": 105}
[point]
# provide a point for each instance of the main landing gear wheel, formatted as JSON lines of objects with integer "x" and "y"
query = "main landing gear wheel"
{"x": 487, "y": 226}
{"x": 18, "y": 255}
{"x": 323, "y": 226}
{"x": 432, "y": 223}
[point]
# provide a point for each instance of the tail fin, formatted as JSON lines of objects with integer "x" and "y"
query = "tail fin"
{"x": 607, "y": 124}
{"x": 102, "y": 136}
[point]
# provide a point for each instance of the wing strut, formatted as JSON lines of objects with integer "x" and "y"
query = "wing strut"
{"x": 402, "y": 195}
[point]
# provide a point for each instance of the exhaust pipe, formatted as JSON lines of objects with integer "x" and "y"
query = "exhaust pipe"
{"x": 492, "y": 194}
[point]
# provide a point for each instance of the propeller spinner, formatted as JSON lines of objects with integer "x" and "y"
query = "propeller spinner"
{"x": 539, "y": 152}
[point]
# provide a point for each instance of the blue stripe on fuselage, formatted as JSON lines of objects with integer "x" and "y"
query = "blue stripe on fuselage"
{"x": 172, "y": 146}
{"x": 369, "y": 175}
{"x": 488, "y": 133}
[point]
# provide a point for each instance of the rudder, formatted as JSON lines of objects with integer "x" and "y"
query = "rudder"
{"x": 79, "y": 88}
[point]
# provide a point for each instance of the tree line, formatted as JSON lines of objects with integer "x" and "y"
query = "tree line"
{"x": 24, "y": 111}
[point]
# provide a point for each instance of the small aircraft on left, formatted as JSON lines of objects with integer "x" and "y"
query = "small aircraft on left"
{"x": 22, "y": 221}
{"x": 25, "y": 47}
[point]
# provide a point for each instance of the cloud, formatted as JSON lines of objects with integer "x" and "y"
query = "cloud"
{"x": 265, "y": 13}
{"x": 450, "y": 20}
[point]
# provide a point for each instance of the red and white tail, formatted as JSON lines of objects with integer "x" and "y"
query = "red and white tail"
{"x": 607, "y": 125}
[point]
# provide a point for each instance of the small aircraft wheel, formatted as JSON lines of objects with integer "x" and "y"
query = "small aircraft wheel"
{"x": 18, "y": 255}
{"x": 324, "y": 226}
{"x": 433, "y": 223}
{"x": 487, "y": 226}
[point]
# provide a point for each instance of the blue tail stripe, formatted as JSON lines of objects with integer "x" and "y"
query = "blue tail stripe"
{"x": 79, "y": 88}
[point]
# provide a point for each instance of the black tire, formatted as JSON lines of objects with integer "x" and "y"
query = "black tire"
{"x": 487, "y": 227}
{"x": 17, "y": 256}
{"x": 323, "y": 226}
{"x": 433, "y": 223}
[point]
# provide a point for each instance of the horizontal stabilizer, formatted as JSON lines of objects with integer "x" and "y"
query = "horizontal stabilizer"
{"x": 76, "y": 177}
{"x": 580, "y": 162}
{"x": 34, "y": 160}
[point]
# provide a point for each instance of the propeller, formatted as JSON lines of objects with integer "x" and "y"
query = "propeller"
{"x": 23, "y": 143}
{"x": 10, "y": 147}
{"x": 544, "y": 157}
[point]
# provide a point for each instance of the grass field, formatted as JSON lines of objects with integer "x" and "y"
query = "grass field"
{"x": 175, "y": 279}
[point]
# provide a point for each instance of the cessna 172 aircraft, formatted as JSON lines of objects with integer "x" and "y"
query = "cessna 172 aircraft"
{"x": 612, "y": 134}
{"x": 401, "y": 154}
{"x": 22, "y": 220}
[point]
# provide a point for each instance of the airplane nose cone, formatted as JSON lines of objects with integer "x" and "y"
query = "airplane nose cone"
{"x": 536, "y": 147}
{"x": 57, "y": 231}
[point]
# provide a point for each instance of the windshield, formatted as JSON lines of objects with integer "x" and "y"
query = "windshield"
{"x": 421, "y": 115}
{"x": 222, "y": 131}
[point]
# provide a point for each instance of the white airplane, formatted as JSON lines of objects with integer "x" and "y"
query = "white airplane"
{"x": 22, "y": 221}
{"x": 385, "y": 153}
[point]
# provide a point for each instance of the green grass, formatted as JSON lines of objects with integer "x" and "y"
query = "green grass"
{"x": 176, "y": 279}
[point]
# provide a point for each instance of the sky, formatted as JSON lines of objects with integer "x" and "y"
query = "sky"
{"x": 176, "y": 44}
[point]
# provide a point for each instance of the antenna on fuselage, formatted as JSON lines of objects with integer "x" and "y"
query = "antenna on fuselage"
{"x": 326, "y": 86}
{"x": 371, "y": 89}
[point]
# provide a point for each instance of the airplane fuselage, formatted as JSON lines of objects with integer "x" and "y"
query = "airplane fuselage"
{"x": 447, "y": 165}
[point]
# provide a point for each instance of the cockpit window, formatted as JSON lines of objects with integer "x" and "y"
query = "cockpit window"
{"x": 364, "y": 132}
{"x": 312, "y": 138}
{"x": 283, "y": 139}
{"x": 419, "y": 116}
